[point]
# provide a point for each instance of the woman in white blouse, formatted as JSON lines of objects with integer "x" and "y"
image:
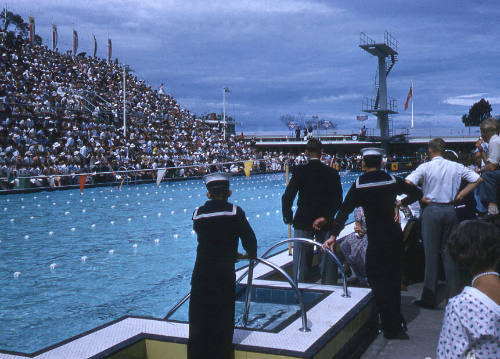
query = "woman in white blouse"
{"x": 471, "y": 325}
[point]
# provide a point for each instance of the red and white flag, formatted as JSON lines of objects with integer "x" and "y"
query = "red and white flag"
{"x": 95, "y": 45}
{"x": 32, "y": 29}
{"x": 83, "y": 179}
{"x": 110, "y": 49}
{"x": 160, "y": 175}
{"x": 75, "y": 42}
{"x": 410, "y": 94}
{"x": 54, "y": 37}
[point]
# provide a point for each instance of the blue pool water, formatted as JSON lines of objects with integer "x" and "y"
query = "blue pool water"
{"x": 70, "y": 263}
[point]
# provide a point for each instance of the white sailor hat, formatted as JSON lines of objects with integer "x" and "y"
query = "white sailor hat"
{"x": 372, "y": 151}
{"x": 216, "y": 180}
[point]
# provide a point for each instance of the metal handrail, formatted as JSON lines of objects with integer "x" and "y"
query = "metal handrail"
{"x": 263, "y": 257}
{"x": 249, "y": 292}
{"x": 314, "y": 243}
{"x": 298, "y": 294}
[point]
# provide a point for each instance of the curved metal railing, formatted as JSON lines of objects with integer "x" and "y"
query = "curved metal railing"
{"x": 298, "y": 294}
{"x": 311, "y": 242}
{"x": 264, "y": 257}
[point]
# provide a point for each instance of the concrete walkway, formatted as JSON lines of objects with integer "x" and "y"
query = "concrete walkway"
{"x": 424, "y": 327}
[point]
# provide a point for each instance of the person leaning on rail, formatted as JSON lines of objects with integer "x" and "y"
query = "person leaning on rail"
{"x": 218, "y": 225}
{"x": 320, "y": 196}
{"x": 376, "y": 192}
{"x": 440, "y": 182}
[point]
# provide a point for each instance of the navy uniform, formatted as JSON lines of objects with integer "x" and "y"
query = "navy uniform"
{"x": 376, "y": 192}
{"x": 320, "y": 195}
{"x": 218, "y": 225}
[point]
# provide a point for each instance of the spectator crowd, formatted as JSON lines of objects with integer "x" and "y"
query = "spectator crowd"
{"x": 63, "y": 114}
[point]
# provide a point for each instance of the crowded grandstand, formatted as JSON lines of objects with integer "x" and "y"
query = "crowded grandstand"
{"x": 62, "y": 114}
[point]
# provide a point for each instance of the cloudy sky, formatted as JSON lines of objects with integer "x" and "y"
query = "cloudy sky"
{"x": 294, "y": 56}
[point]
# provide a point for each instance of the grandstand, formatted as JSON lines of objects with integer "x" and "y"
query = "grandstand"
{"x": 62, "y": 114}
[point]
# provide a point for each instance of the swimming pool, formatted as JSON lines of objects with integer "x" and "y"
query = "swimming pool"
{"x": 71, "y": 263}
{"x": 272, "y": 308}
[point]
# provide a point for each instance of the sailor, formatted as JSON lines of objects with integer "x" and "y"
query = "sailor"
{"x": 376, "y": 192}
{"x": 320, "y": 196}
{"x": 218, "y": 224}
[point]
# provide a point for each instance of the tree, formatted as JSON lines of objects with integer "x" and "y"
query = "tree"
{"x": 17, "y": 21}
{"x": 478, "y": 112}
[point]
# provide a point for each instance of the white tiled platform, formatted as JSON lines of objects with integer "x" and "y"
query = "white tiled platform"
{"x": 321, "y": 318}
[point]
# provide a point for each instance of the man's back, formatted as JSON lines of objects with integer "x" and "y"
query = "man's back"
{"x": 319, "y": 190}
{"x": 440, "y": 179}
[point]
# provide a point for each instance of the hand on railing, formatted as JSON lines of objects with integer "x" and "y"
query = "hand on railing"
{"x": 241, "y": 256}
{"x": 329, "y": 243}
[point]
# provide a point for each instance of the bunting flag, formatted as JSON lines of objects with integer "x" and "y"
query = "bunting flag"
{"x": 410, "y": 94}
{"x": 75, "y": 42}
{"x": 160, "y": 175}
{"x": 54, "y": 37}
{"x": 109, "y": 49}
{"x": 83, "y": 179}
{"x": 248, "y": 168}
{"x": 95, "y": 45}
{"x": 32, "y": 29}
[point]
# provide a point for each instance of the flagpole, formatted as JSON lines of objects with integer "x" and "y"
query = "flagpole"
{"x": 412, "y": 95}
{"x": 5, "y": 18}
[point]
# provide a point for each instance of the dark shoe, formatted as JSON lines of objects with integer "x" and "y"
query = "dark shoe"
{"x": 425, "y": 305}
{"x": 484, "y": 216}
{"x": 396, "y": 335}
{"x": 404, "y": 327}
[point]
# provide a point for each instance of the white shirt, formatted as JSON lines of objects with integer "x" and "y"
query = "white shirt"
{"x": 440, "y": 179}
{"x": 471, "y": 324}
{"x": 494, "y": 150}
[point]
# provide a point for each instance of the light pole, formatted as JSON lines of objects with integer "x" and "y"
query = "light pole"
{"x": 124, "y": 103}
{"x": 126, "y": 69}
{"x": 224, "y": 90}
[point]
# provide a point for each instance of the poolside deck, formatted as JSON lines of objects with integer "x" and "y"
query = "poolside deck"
{"x": 424, "y": 327}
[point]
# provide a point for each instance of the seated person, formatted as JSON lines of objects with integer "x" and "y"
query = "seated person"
{"x": 353, "y": 247}
{"x": 471, "y": 325}
{"x": 491, "y": 171}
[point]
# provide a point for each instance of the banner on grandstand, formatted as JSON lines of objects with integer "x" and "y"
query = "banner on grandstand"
{"x": 32, "y": 29}
{"x": 95, "y": 45}
{"x": 75, "y": 42}
{"x": 109, "y": 49}
{"x": 54, "y": 37}
{"x": 248, "y": 168}
{"x": 83, "y": 179}
{"x": 160, "y": 175}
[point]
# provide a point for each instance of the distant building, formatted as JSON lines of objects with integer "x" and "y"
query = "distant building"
{"x": 215, "y": 120}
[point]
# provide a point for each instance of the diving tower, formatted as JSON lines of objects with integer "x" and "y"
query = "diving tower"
{"x": 382, "y": 106}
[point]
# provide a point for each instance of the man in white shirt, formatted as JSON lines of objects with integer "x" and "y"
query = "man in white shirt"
{"x": 490, "y": 172}
{"x": 440, "y": 182}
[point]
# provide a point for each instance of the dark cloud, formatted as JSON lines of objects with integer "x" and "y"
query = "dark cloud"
{"x": 290, "y": 56}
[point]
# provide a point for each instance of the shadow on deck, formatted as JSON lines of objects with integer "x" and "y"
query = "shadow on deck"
{"x": 424, "y": 326}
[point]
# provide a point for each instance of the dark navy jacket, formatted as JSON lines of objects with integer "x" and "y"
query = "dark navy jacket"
{"x": 376, "y": 192}
{"x": 320, "y": 194}
{"x": 219, "y": 225}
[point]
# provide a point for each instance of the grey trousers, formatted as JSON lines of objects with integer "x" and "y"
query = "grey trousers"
{"x": 303, "y": 256}
{"x": 438, "y": 222}
{"x": 489, "y": 188}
